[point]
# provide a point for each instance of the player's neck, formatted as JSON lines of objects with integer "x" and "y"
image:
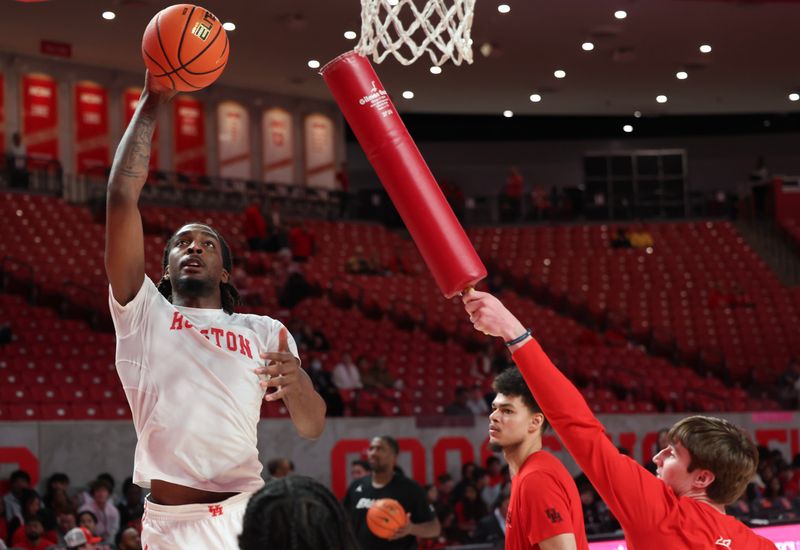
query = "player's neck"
{"x": 516, "y": 455}
{"x": 381, "y": 479}
{"x": 703, "y": 497}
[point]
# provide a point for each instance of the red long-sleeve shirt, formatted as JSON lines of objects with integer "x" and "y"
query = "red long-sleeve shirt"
{"x": 650, "y": 513}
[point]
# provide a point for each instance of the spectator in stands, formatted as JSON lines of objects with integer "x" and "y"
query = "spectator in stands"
{"x": 66, "y": 520}
{"x": 376, "y": 375}
{"x": 255, "y": 227}
{"x": 31, "y": 536}
{"x": 444, "y": 486}
{"x": 789, "y": 385}
{"x": 469, "y": 509}
{"x": 323, "y": 383}
{"x": 759, "y": 181}
{"x": 279, "y": 467}
{"x": 359, "y": 468}
{"x": 492, "y": 528}
{"x": 18, "y": 163}
{"x": 511, "y": 198}
{"x": 277, "y": 236}
{"x": 301, "y": 242}
{"x": 56, "y": 490}
{"x": 292, "y": 285}
{"x": 102, "y": 506}
{"x": 346, "y": 375}
{"x": 396, "y": 264}
{"x": 18, "y": 481}
{"x": 129, "y": 539}
{"x": 476, "y": 403}
{"x": 131, "y": 509}
{"x": 30, "y": 508}
{"x": 432, "y": 495}
{"x": 467, "y": 477}
{"x": 81, "y": 538}
{"x": 620, "y": 239}
{"x": 596, "y": 516}
{"x": 459, "y": 405}
{"x": 88, "y": 520}
{"x": 358, "y": 264}
{"x": 296, "y": 513}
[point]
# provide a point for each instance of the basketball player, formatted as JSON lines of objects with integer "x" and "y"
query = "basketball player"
{"x": 706, "y": 465}
{"x": 190, "y": 366}
{"x": 545, "y": 509}
{"x": 387, "y": 481}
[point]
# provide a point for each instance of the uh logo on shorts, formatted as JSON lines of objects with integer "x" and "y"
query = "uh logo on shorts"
{"x": 215, "y": 510}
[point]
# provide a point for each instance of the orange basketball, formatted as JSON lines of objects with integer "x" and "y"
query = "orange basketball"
{"x": 385, "y": 517}
{"x": 185, "y": 48}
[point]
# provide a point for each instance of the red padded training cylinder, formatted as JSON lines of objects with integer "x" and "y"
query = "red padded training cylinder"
{"x": 441, "y": 240}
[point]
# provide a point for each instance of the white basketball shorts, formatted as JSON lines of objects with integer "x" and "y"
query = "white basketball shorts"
{"x": 194, "y": 526}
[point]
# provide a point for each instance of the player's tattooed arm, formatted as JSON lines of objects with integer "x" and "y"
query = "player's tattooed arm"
{"x": 124, "y": 255}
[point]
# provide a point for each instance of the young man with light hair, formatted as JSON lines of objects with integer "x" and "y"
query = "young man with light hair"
{"x": 706, "y": 465}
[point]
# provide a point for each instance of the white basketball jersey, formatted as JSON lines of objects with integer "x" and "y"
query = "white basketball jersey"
{"x": 188, "y": 376}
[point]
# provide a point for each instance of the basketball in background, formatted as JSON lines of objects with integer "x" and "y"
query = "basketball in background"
{"x": 385, "y": 517}
{"x": 185, "y": 48}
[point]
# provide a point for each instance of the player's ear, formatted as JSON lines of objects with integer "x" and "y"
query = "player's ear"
{"x": 703, "y": 479}
{"x": 166, "y": 272}
{"x": 225, "y": 276}
{"x": 536, "y": 423}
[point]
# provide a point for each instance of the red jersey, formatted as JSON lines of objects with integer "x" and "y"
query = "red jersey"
{"x": 544, "y": 503}
{"x": 648, "y": 510}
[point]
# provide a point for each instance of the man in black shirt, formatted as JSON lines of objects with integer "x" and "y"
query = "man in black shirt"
{"x": 388, "y": 482}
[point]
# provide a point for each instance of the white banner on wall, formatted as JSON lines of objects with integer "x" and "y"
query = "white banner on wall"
{"x": 233, "y": 140}
{"x": 278, "y": 140}
{"x": 84, "y": 449}
{"x": 320, "y": 153}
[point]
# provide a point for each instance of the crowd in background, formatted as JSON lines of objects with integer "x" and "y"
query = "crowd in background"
{"x": 471, "y": 508}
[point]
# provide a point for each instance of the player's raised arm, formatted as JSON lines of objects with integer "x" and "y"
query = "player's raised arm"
{"x": 124, "y": 255}
{"x": 620, "y": 481}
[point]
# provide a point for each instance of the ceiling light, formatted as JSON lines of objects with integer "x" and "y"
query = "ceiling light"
{"x": 350, "y": 35}
{"x": 436, "y": 70}
{"x": 681, "y": 75}
{"x": 504, "y": 8}
{"x": 587, "y": 46}
{"x": 408, "y": 94}
{"x": 486, "y": 49}
{"x": 661, "y": 98}
{"x": 560, "y": 73}
{"x": 620, "y": 14}
{"x": 637, "y": 114}
{"x": 313, "y": 63}
{"x": 705, "y": 48}
{"x": 794, "y": 96}
{"x": 229, "y": 26}
{"x": 536, "y": 98}
{"x": 627, "y": 128}
{"x": 508, "y": 114}
{"x": 109, "y": 15}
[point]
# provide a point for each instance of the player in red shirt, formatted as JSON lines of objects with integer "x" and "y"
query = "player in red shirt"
{"x": 706, "y": 466}
{"x": 545, "y": 508}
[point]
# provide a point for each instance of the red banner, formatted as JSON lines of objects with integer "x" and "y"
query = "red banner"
{"x": 91, "y": 128}
{"x": 190, "y": 136}
{"x": 130, "y": 99}
{"x": 40, "y": 116}
{"x": 2, "y": 115}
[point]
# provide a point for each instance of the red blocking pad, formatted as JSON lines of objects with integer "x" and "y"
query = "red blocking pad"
{"x": 441, "y": 240}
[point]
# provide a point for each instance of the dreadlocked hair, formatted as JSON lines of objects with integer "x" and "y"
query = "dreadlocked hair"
{"x": 229, "y": 296}
{"x": 296, "y": 513}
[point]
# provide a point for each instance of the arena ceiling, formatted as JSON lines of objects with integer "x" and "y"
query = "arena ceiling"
{"x": 752, "y": 68}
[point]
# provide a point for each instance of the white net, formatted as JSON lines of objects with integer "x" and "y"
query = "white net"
{"x": 440, "y": 28}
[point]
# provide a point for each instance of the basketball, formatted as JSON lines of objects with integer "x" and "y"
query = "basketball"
{"x": 185, "y": 48}
{"x": 385, "y": 517}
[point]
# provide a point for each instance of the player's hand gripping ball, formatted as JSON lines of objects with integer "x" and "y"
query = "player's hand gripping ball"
{"x": 385, "y": 517}
{"x": 185, "y": 48}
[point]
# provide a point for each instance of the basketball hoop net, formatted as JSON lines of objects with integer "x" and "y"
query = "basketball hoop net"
{"x": 397, "y": 27}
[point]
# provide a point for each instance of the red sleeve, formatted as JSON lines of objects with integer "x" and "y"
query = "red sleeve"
{"x": 622, "y": 483}
{"x": 546, "y": 509}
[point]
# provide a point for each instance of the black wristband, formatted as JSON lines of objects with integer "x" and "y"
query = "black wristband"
{"x": 519, "y": 338}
